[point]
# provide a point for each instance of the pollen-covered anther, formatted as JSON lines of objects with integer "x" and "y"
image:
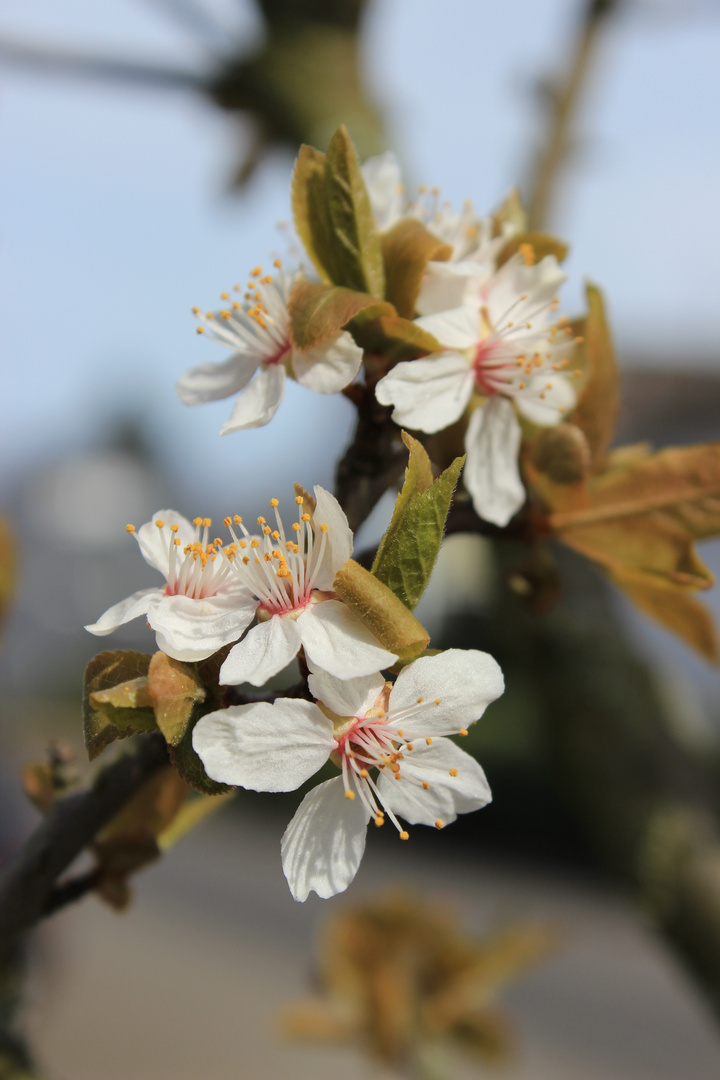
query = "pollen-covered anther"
{"x": 160, "y": 524}
{"x": 463, "y": 731}
{"x": 428, "y": 741}
{"x": 439, "y": 824}
{"x": 404, "y": 835}
{"x": 350, "y": 795}
{"x": 420, "y": 700}
{"x": 453, "y": 772}
{"x": 438, "y": 700}
{"x": 130, "y": 528}
{"x": 425, "y": 785}
{"x": 379, "y": 820}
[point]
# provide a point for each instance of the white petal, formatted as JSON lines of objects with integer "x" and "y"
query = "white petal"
{"x": 257, "y": 403}
{"x": 346, "y": 697}
{"x": 154, "y": 542}
{"x": 463, "y": 681}
{"x": 119, "y": 614}
{"x": 339, "y": 537}
{"x": 324, "y": 843}
{"x": 559, "y": 398}
{"x": 383, "y": 181}
{"x": 330, "y": 366}
{"x": 210, "y": 382}
{"x": 264, "y": 747}
{"x": 458, "y": 328}
{"x": 189, "y": 629}
{"x": 338, "y": 642}
{"x": 491, "y": 472}
{"x": 428, "y": 394}
{"x": 449, "y": 285}
{"x": 446, "y": 795}
{"x": 264, "y": 651}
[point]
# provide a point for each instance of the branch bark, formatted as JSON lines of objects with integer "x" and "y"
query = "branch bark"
{"x": 28, "y": 879}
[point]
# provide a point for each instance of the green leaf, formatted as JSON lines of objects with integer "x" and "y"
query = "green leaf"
{"x": 357, "y": 251}
{"x": 510, "y": 212}
{"x": 391, "y": 337}
{"x": 392, "y": 623}
{"x": 535, "y": 245}
{"x": 311, "y": 213}
{"x": 408, "y": 551}
{"x": 110, "y": 716}
{"x": 597, "y": 407}
{"x": 407, "y": 249}
{"x": 318, "y": 311}
{"x": 175, "y": 690}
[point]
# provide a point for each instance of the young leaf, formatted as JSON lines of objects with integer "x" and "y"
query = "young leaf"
{"x": 311, "y": 213}
{"x": 597, "y": 407}
{"x": 318, "y": 311}
{"x": 407, "y": 249}
{"x": 391, "y": 337}
{"x": 510, "y": 212}
{"x": 190, "y": 767}
{"x": 192, "y": 814}
{"x": 674, "y": 609}
{"x": 104, "y": 721}
{"x": 175, "y": 690}
{"x": 392, "y": 623}
{"x": 357, "y": 252}
{"x": 536, "y": 245}
{"x": 408, "y": 551}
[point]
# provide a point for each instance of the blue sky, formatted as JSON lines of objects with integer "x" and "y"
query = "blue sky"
{"x": 114, "y": 219}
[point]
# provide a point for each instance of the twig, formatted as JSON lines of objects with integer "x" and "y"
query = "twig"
{"x": 27, "y": 881}
{"x": 564, "y": 100}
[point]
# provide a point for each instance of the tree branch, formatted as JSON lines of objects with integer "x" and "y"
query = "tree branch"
{"x": 564, "y": 99}
{"x": 28, "y": 879}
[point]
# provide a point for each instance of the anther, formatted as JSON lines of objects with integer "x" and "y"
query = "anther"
{"x": 305, "y": 517}
{"x": 425, "y": 785}
{"x": 227, "y": 522}
{"x": 160, "y": 524}
{"x": 439, "y": 824}
{"x": 404, "y": 835}
{"x": 453, "y": 772}
{"x": 438, "y": 700}
{"x": 379, "y": 820}
{"x": 323, "y": 528}
{"x": 463, "y": 731}
{"x": 274, "y": 503}
{"x": 237, "y": 520}
{"x": 130, "y": 528}
{"x": 420, "y": 700}
{"x": 350, "y": 795}
{"x": 428, "y": 741}
{"x": 298, "y": 500}
{"x": 174, "y": 528}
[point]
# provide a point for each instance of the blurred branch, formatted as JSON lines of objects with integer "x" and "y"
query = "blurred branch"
{"x": 50, "y": 58}
{"x": 564, "y": 96}
{"x": 27, "y": 881}
{"x": 197, "y": 19}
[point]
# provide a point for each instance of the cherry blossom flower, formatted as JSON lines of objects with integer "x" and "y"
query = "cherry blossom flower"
{"x": 290, "y": 579}
{"x": 257, "y": 328}
{"x": 390, "y": 743}
{"x": 201, "y": 607}
{"x": 503, "y": 341}
{"x": 466, "y": 233}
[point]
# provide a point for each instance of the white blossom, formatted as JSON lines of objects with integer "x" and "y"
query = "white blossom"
{"x": 257, "y": 327}
{"x": 390, "y": 743}
{"x": 201, "y": 607}
{"x": 504, "y": 342}
{"x": 290, "y": 577}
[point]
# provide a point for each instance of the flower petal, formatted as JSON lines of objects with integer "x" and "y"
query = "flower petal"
{"x": 491, "y": 472}
{"x": 446, "y": 795}
{"x": 559, "y": 398}
{"x": 449, "y": 285}
{"x": 328, "y": 367}
{"x": 339, "y": 543}
{"x": 456, "y": 686}
{"x": 338, "y": 642}
{"x": 258, "y": 402}
{"x": 119, "y": 614}
{"x": 189, "y": 629}
{"x": 428, "y": 394}
{"x": 458, "y": 328}
{"x": 264, "y": 651}
{"x": 155, "y": 542}
{"x": 324, "y": 843}
{"x": 264, "y": 747}
{"x": 210, "y": 382}
{"x": 346, "y": 697}
{"x": 383, "y": 181}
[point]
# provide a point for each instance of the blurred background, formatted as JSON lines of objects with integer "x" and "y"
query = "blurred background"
{"x": 147, "y": 153}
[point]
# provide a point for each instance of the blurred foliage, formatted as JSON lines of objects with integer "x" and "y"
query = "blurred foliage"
{"x": 402, "y": 982}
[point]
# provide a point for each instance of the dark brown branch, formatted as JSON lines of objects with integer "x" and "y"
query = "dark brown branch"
{"x": 28, "y": 879}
